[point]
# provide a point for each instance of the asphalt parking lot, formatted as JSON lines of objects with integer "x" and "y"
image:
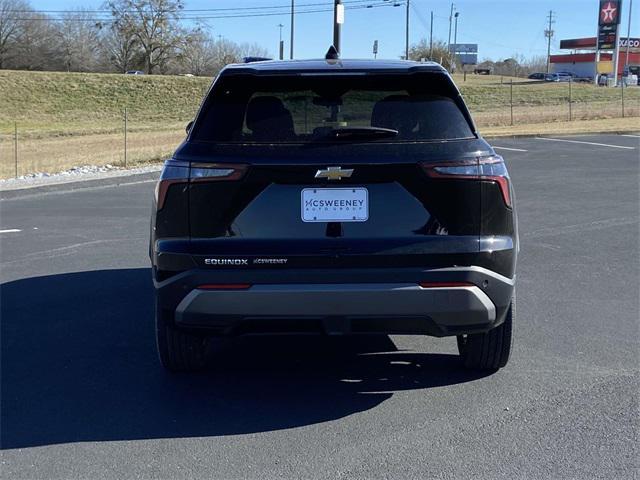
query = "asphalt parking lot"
{"x": 84, "y": 397}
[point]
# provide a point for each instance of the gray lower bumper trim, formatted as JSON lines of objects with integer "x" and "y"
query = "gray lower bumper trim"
{"x": 448, "y": 307}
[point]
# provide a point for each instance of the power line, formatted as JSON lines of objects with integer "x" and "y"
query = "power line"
{"x": 107, "y": 19}
{"x": 225, "y": 9}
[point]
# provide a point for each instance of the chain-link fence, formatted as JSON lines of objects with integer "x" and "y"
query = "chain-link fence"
{"x": 509, "y": 102}
{"x": 126, "y": 141}
{"x": 126, "y": 136}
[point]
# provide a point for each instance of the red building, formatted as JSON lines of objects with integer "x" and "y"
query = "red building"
{"x": 582, "y": 61}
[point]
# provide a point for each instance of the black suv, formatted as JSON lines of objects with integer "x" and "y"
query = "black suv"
{"x": 334, "y": 197}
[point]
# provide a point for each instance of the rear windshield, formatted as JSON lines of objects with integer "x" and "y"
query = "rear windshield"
{"x": 301, "y": 108}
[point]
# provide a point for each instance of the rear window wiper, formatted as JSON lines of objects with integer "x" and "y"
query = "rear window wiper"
{"x": 348, "y": 133}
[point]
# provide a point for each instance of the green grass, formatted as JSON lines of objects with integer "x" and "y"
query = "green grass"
{"x": 55, "y": 103}
{"x": 63, "y": 103}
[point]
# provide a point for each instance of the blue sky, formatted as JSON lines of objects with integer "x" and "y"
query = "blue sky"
{"x": 500, "y": 27}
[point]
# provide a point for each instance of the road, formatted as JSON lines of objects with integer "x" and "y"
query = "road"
{"x": 83, "y": 395}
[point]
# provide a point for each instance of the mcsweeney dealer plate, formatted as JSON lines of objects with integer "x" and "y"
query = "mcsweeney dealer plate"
{"x": 335, "y": 205}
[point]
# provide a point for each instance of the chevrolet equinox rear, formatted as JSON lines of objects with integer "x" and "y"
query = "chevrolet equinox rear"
{"x": 334, "y": 197}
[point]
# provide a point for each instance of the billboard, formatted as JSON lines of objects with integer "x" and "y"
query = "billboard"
{"x": 464, "y": 47}
{"x": 466, "y": 53}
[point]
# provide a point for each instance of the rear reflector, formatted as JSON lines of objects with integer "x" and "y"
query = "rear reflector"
{"x": 445, "y": 284}
{"x": 224, "y": 286}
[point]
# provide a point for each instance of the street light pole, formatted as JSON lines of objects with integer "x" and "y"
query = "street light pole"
{"x": 338, "y": 19}
{"x": 626, "y": 58}
{"x": 450, "y": 19}
{"x": 292, "y": 15}
{"x": 406, "y": 34}
{"x": 455, "y": 34}
{"x": 280, "y": 43}
{"x": 455, "y": 42}
{"x": 431, "y": 38}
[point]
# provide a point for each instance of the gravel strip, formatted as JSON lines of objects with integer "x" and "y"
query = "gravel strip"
{"x": 75, "y": 174}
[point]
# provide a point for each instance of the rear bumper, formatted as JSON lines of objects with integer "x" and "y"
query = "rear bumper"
{"x": 312, "y": 301}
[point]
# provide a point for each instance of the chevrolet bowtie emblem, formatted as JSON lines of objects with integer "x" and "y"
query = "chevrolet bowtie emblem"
{"x": 334, "y": 173}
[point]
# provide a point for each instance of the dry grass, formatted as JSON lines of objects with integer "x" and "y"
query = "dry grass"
{"x": 60, "y": 153}
{"x": 565, "y": 128}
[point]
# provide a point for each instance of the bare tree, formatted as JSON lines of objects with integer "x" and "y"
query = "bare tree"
{"x": 79, "y": 42}
{"x": 196, "y": 54}
{"x": 37, "y": 44}
{"x": 154, "y": 23}
{"x": 11, "y": 14}
{"x": 252, "y": 50}
{"x": 121, "y": 49}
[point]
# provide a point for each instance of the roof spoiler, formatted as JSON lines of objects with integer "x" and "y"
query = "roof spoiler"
{"x": 255, "y": 59}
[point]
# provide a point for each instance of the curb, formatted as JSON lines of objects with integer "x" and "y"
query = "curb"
{"x": 28, "y": 191}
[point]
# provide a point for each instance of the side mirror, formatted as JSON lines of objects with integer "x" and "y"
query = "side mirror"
{"x": 188, "y": 127}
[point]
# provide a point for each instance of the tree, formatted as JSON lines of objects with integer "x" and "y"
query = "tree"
{"x": 79, "y": 41}
{"x": 155, "y": 25}
{"x": 439, "y": 53}
{"x": 11, "y": 13}
{"x": 37, "y": 45}
{"x": 197, "y": 52}
{"x": 121, "y": 49}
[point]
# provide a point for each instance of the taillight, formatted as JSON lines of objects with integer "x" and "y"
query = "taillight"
{"x": 176, "y": 171}
{"x": 490, "y": 168}
{"x": 212, "y": 172}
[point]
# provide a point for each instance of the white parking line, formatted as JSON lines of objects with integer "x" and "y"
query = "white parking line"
{"x": 10, "y": 230}
{"x": 629, "y": 135}
{"x": 510, "y": 149}
{"x": 585, "y": 143}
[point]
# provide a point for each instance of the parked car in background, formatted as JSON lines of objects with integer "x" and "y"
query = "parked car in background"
{"x": 134, "y": 72}
{"x": 536, "y": 76}
{"x": 557, "y": 77}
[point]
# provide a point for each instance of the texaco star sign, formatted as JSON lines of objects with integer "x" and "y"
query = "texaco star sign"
{"x": 608, "y": 13}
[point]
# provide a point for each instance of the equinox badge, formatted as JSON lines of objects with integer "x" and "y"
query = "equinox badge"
{"x": 334, "y": 173}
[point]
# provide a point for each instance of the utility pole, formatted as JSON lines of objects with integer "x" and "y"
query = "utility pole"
{"x": 292, "y": 15}
{"x": 406, "y": 34}
{"x": 549, "y": 34}
{"x": 338, "y": 20}
{"x": 450, "y": 19}
{"x": 431, "y": 38}
{"x": 280, "y": 43}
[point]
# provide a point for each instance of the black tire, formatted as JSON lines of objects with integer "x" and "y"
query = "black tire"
{"x": 490, "y": 350}
{"x": 179, "y": 351}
